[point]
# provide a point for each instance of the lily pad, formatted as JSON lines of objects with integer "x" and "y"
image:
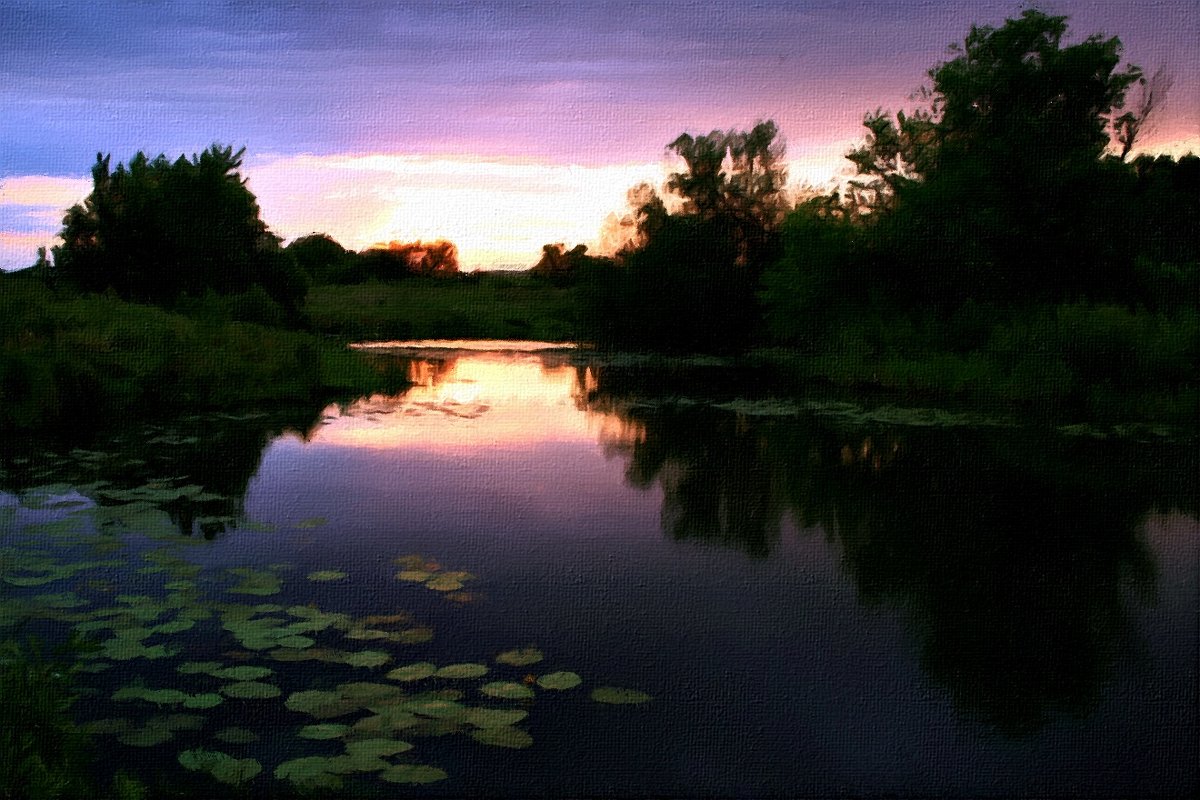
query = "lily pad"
{"x": 414, "y": 575}
{"x": 325, "y": 575}
{"x": 222, "y": 766}
{"x": 310, "y": 772}
{"x": 461, "y": 671}
{"x": 494, "y": 717}
{"x": 323, "y": 730}
{"x": 507, "y": 690}
{"x": 320, "y": 704}
{"x": 435, "y": 708}
{"x": 158, "y": 696}
{"x": 242, "y": 673}
{"x": 559, "y": 680}
{"x": 520, "y": 657}
{"x": 412, "y": 773}
{"x": 198, "y": 667}
{"x": 366, "y": 658}
{"x": 617, "y": 696}
{"x": 376, "y": 748}
{"x": 256, "y": 582}
{"x": 203, "y": 700}
{"x": 443, "y": 583}
{"x": 513, "y": 738}
{"x": 250, "y": 690}
{"x": 294, "y": 642}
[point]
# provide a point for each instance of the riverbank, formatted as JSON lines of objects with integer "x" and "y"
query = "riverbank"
{"x": 477, "y": 306}
{"x": 66, "y": 355}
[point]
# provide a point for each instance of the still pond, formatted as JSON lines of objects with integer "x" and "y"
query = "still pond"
{"x": 544, "y": 572}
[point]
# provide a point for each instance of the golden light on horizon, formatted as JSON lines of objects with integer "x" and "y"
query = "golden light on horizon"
{"x": 488, "y": 400}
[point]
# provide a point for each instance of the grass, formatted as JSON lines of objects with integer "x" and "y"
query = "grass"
{"x": 64, "y": 354}
{"x": 1099, "y": 362}
{"x": 487, "y": 306}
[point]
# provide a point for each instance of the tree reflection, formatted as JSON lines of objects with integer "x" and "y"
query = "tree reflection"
{"x": 1014, "y": 553}
{"x": 219, "y": 452}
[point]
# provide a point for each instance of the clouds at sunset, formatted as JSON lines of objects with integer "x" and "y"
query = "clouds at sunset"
{"x": 543, "y": 91}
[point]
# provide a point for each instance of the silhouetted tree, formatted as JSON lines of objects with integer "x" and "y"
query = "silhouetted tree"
{"x": 320, "y": 258}
{"x": 688, "y": 280}
{"x": 562, "y": 267}
{"x": 398, "y": 260}
{"x": 155, "y": 230}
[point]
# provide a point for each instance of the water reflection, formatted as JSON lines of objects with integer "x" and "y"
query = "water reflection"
{"x": 218, "y": 453}
{"x": 1017, "y": 556}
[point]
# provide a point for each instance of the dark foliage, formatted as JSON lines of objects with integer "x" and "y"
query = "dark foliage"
{"x": 156, "y": 230}
{"x": 688, "y": 280}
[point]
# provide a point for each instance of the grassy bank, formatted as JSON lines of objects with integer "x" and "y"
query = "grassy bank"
{"x": 488, "y": 306}
{"x": 63, "y": 354}
{"x": 1096, "y": 362}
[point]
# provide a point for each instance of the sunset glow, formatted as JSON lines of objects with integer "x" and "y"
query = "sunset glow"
{"x": 498, "y": 126}
{"x": 492, "y": 400}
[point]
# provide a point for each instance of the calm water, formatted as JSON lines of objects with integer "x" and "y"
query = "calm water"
{"x": 818, "y": 599}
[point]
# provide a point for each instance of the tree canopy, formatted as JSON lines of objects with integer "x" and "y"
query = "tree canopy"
{"x": 1001, "y": 185}
{"x": 703, "y": 260}
{"x": 155, "y": 230}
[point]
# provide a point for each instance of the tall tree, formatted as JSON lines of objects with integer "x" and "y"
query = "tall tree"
{"x": 998, "y": 184}
{"x": 155, "y": 230}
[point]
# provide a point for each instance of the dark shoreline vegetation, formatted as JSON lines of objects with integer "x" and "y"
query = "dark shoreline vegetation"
{"x": 991, "y": 251}
{"x": 993, "y": 254}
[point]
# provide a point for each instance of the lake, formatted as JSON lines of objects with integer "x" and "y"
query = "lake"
{"x": 547, "y": 572}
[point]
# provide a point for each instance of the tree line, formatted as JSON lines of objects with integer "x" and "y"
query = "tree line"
{"x": 1001, "y": 192}
{"x": 1010, "y": 188}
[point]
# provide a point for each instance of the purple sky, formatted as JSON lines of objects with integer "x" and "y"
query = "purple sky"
{"x": 534, "y": 87}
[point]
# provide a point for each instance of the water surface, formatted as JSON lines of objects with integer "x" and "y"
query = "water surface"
{"x": 819, "y": 598}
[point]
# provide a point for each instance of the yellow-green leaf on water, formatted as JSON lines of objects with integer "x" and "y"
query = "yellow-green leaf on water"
{"x": 158, "y": 696}
{"x": 250, "y": 690}
{"x": 385, "y": 720}
{"x": 312, "y": 522}
{"x": 203, "y": 700}
{"x": 320, "y": 704}
{"x": 513, "y": 738}
{"x": 323, "y": 730}
{"x": 368, "y": 694}
{"x": 520, "y": 657}
{"x": 618, "y": 696}
{"x": 198, "y": 667}
{"x": 433, "y": 707}
{"x": 494, "y": 717}
{"x": 242, "y": 673}
{"x": 309, "y": 772}
{"x": 412, "y": 773}
{"x": 222, "y": 766}
{"x": 443, "y": 583}
{"x": 366, "y": 658}
{"x": 461, "y": 671}
{"x": 293, "y": 642}
{"x": 376, "y": 748}
{"x": 414, "y": 635}
{"x": 507, "y": 690}
{"x": 325, "y": 575}
{"x": 559, "y": 680}
{"x": 414, "y": 575}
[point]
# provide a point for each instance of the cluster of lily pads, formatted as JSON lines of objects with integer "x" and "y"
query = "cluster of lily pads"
{"x": 366, "y": 715}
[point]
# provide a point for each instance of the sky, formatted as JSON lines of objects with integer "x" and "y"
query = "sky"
{"x": 501, "y": 125}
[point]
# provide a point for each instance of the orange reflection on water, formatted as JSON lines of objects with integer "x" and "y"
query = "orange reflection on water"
{"x": 466, "y": 401}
